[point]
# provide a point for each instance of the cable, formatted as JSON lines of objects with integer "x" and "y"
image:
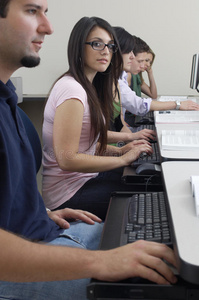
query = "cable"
{"x": 147, "y": 182}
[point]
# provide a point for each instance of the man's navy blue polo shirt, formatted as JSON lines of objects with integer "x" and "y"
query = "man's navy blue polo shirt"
{"x": 22, "y": 209}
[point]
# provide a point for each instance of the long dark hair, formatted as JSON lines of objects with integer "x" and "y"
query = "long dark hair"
{"x": 4, "y": 4}
{"x": 100, "y": 91}
{"x": 126, "y": 40}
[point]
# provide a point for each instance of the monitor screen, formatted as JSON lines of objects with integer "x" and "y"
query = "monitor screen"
{"x": 17, "y": 81}
{"x": 195, "y": 73}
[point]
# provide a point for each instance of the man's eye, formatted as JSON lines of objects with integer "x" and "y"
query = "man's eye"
{"x": 32, "y": 11}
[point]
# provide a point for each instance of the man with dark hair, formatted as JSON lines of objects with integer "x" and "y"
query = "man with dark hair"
{"x": 4, "y": 8}
{"x": 33, "y": 265}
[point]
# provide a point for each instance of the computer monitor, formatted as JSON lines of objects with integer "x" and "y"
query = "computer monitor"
{"x": 17, "y": 81}
{"x": 194, "y": 82}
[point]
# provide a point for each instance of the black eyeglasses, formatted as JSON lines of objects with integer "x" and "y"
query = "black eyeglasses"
{"x": 101, "y": 46}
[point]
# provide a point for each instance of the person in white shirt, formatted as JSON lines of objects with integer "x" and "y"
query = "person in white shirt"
{"x": 130, "y": 101}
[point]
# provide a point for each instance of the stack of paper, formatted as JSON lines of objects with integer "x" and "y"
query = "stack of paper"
{"x": 180, "y": 140}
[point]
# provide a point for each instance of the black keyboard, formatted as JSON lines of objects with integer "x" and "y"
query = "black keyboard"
{"x": 136, "y": 215}
{"x": 151, "y": 224}
{"x": 144, "y": 120}
{"x": 141, "y": 127}
{"x": 153, "y": 158}
{"x": 146, "y": 218}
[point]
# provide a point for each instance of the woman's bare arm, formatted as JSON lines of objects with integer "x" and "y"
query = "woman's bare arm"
{"x": 66, "y": 137}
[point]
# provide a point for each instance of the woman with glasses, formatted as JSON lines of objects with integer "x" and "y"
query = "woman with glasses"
{"x": 79, "y": 169}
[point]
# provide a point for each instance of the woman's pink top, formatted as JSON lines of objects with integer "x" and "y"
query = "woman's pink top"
{"x": 58, "y": 185}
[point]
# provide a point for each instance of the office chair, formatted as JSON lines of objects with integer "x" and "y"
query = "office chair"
{"x": 33, "y": 138}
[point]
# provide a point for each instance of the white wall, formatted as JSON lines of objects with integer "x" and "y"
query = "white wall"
{"x": 171, "y": 28}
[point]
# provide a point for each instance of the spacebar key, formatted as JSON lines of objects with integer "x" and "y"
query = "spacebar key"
{"x": 154, "y": 239}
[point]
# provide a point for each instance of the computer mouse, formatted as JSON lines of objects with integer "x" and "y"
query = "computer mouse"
{"x": 145, "y": 121}
{"x": 148, "y": 169}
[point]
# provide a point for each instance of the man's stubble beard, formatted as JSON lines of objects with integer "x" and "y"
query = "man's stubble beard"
{"x": 30, "y": 61}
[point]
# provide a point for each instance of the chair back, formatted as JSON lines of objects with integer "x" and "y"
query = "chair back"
{"x": 33, "y": 137}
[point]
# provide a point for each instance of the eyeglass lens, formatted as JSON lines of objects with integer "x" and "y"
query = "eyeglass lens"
{"x": 101, "y": 46}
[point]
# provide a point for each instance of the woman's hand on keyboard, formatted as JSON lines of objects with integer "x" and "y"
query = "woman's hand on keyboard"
{"x": 139, "y": 259}
{"x": 124, "y": 149}
{"x": 135, "y": 152}
{"x": 146, "y": 134}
